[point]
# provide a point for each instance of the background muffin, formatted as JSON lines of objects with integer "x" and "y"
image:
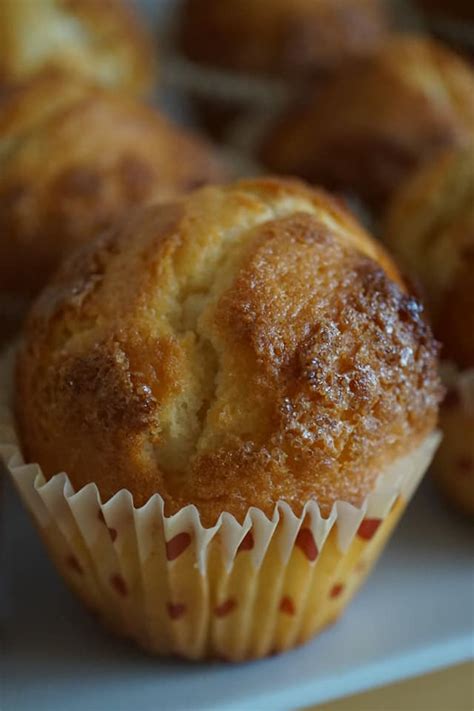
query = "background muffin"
{"x": 101, "y": 40}
{"x": 430, "y": 227}
{"x": 73, "y": 157}
{"x": 378, "y": 119}
{"x": 246, "y": 346}
{"x": 447, "y": 9}
{"x": 453, "y": 466}
{"x": 273, "y": 47}
{"x": 283, "y": 37}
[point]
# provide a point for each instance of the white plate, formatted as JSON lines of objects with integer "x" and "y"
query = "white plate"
{"x": 416, "y": 614}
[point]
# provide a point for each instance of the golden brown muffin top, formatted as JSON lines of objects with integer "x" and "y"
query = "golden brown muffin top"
{"x": 73, "y": 157}
{"x": 377, "y": 119}
{"x": 430, "y": 226}
{"x": 100, "y": 40}
{"x": 247, "y": 344}
{"x": 281, "y": 36}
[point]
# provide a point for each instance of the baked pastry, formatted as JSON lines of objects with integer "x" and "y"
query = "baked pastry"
{"x": 282, "y": 37}
{"x": 73, "y": 157}
{"x": 101, "y": 40}
{"x": 447, "y": 9}
{"x": 378, "y": 119}
{"x": 249, "y": 56}
{"x": 247, "y": 346}
{"x": 430, "y": 227}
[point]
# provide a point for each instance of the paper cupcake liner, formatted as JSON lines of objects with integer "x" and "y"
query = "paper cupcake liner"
{"x": 236, "y": 590}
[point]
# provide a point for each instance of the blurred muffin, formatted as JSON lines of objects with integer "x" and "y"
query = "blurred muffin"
{"x": 101, "y": 40}
{"x": 430, "y": 227}
{"x": 264, "y": 50}
{"x": 453, "y": 466}
{"x": 448, "y": 9}
{"x": 283, "y": 37}
{"x": 73, "y": 157}
{"x": 244, "y": 346}
{"x": 378, "y": 119}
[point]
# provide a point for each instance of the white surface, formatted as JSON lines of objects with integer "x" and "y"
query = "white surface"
{"x": 416, "y": 614}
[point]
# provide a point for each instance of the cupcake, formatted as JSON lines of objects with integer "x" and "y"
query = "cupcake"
{"x": 73, "y": 157}
{"x": 100, "y": 40}
{"x": 243, "y": 396}
{"x": 377, "y": 120}
{"x": 430, "y": 227}
{"x": 254, "y": 47}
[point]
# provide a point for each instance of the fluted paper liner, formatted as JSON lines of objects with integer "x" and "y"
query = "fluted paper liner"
{"x": 234, "y": 591}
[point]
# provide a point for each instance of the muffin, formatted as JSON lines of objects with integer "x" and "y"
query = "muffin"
{"x": 430, "y": 227}
{"x": 258, "y": 50}
{"x": 73, "y": 157}
{"x": 247, "y": 366}
{"x": 377, "y": 120}
{"x": 281, "y": 38}
{"x": 100, "y": 40}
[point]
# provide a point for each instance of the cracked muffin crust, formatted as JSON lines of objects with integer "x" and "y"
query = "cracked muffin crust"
{"x": 73, "y": 157}
{"x": 99, "y": 40}
{"x": 378, "y": 119}
{"x": 246, "y": 344}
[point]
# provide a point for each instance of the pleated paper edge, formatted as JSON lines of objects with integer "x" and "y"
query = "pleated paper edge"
{"x": 44, "y": 497}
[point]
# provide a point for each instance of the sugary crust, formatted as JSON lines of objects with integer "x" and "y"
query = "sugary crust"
{"x": 72, "y": 158}
{"x": 101, "y": 40}
{"x": 378, "y": 119}
{"x": 430, "y": 227}
{"x": 245, "y": 346}
{"x": 283, "y": 36}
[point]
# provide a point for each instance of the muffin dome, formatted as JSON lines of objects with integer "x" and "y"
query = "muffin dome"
{"x": 100, "y": 40}
{"x": 430, "y": 226}
{"x": 72, "y": 158}
{"x": 243, "y": 345}
{"x": 378, "y": 119}
{"x": 283, "y": 36}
